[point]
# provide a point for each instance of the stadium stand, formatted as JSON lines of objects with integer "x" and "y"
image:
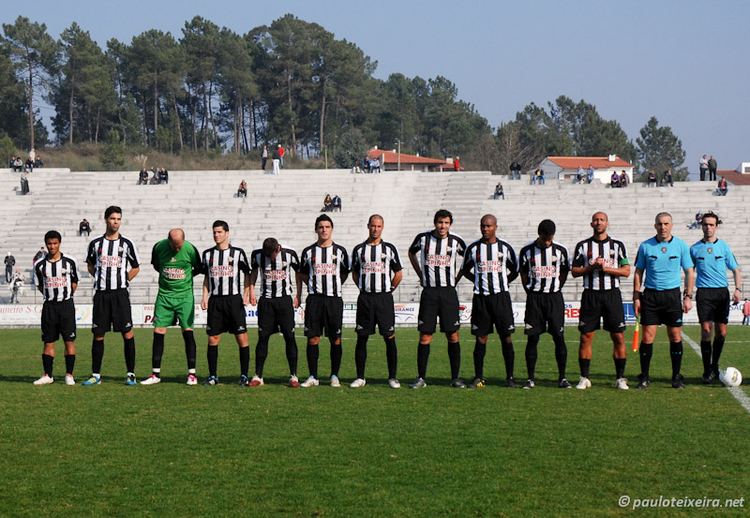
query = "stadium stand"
{"x": 286, "y": 206}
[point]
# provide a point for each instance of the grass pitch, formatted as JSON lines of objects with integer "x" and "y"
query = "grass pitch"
{"x": 174, "y": 450}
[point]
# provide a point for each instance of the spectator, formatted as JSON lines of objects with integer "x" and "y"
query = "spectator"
{"x": 614, "y": 180}
{"x": 327, "y": 202}
{"x": 154, "y": 179}
{"x": 356, "y": 169}
{"x": 84, "y": 226}
{"x": 163, "y": 176}
{"x": 143, "y": 177}
{"x": 703, "y": 166}
{"x": 667, "y": 178}
{"x": 264, "y": 157}
{"x": 590, "y": 174}
{"x": 29, "y": 165}
{"x": 746, "y": 313}
{"x": 580, "y": 175}
{"x": 18, "y": 164}
{"x": 336, "y": 203}
{"x": 276, "y": 160}
{"x": 40, "y": 253}
{"x": 515, "y": 170}
{"x": 697, "y": 221}
{"x": 282, "y": 152}
{"x": 457, "y": 163}
{"x": 242, "y": 189}
{"x": 365, "y": 165}
{"x": 712, "y": 166}
{"x": 25, "y": 184}
{"x": 723, "y": 187}
{"x": 16, "y": 286}
{"x": 538, "y": 177}
{"x": 375, "y": 165}
{"x": 10, "y": 262}
{"x": 651, "y": 179}
{"x": 38, "y": 162}
{"x": 624, "y": 180}
{"x": 498, "y": 192}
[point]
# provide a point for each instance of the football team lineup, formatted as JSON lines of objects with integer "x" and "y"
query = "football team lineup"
{"x": 440, "y": 259}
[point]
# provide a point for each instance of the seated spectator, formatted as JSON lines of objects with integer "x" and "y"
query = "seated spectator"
{"x": 365, "y": 165}
{"x": 143, "y": 177}
{"x": 697, "y": 221}
{"x": 29, "y": 165}
{"x": 624, "y": 180}
{"x": 498, "y": 191}
{"x": 154, "y": 179}
{"x": 590, "y": 174}
{"x": 580, "y": 175}
{"x": 18, "y": 164}
{"x": 667, "y": 178}
{"x": 327, "y": 202}
{"x": 163, "y": 176}
{"x": 84, "y": 226}
{"x": 336, "y": 203}
{"x": 375, "y": 165}
{"x": 25, "y": 184}
{"x": 723, "y": 187}
{"x": 651, "y": 179}
{"x": 242, "y": 189}
{"x": 538, "y": 177}
{"x": 614, "y": 180}
{"x": 38, "y": 162}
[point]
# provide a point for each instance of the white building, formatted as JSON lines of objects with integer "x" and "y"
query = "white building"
{"x": 566, "y": 167}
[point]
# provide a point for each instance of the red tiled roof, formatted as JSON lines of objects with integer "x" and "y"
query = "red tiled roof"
{"x": 391, "y": 157}
{"x": 733, "y": 177}
{"x": 599, "y": 162}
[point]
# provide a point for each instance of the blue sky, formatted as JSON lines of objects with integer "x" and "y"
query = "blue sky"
{"x": 684, "y": 62}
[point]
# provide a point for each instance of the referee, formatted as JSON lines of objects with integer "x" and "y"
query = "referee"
{"x": 324, "y": 266}
{"x": 225, "y": 267}
{"x": 491, "y": 265}
{"x": 601, "y": 261}
{"x": 377, "y": 270}
{"x": 113, "y": 261}
{"x": 712, "y": 258}
{"x": 661, "y": 259}
{"x": 544, "y": 269}
{"x": 435, "y": 256}
{"x": 275, "y": 305}
{"x": 56, "y": 277}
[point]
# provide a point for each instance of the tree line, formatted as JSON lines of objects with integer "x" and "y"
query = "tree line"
{"x": 213, "y": 90}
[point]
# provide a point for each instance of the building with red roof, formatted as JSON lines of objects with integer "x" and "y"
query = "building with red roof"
{"x": 566, "y": 167}
{"x": 392, "y": 160}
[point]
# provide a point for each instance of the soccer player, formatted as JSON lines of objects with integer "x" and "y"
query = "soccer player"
{"x": 712, "y": 257}
{"x": 437, "y": 257}
{"x": 661, "y": 258}
{"x": 177, "y": 262}
{"x": 544, "y": 269}
{"x": 275, "y": 305}
{"x": 56, "y": 278}
{"x": 490, "y": 263}
{"x": 113, "y": 261}
{"x": 377, "y": 270}
{"x": 225, "y": 267}
{"x": 324, "y": 267}
{"x": 601, "y": 261}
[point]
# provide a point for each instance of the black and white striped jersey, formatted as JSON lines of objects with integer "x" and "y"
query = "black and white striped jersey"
{"x": 275, "y": 274}
{"x": 325, "y": 267}
{"x": 491, "y": 266}
{"x": 547, "y": 268}
{"x": 589, "y": 250}
{"x": 440, "y": 259}
{"x": 374, "y": 265}
{"x": 224, "y": 270}
{"x": 55, "y": 279}
{"x": 112, "y": 258}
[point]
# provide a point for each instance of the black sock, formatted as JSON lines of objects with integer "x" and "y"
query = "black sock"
{"x": 645, "y": 353}
{"x": 706, "y": 356}
{"x": 509, "y": 355}
{"x": 336, "y": 353}
{"x": 454, "y": 356}
{"x": 312, "y": 360}
{"x": 244, "y": 360}
{"x": 291, "y": 352}
{"x": 128, "y": 347}
{"x": 47, "y": 362}
{"x": 620, "y": 367}
{"x": 423, "y": 356}
{"x": 212, "y": 355}
{"x": 585, "y": 365}
{"x": 718, "y": 347}
{"x": 561, "y": 354}
{"x": 360, "y": 355}
{"x": 531, "y": 354}
{"x": 391, "y": 356}
{"x": 480, "y": 349}
{"x": 675, "y": 353}
{"x": 261, "y": 353}
{"x": 97, "y": 354}
{"x": 70, "y": 363}
{"x": 190, "y": 349}
{"x": 157, "y": 352}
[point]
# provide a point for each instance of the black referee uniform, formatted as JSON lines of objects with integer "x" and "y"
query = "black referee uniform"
{"x": 373, "y": 267}
{"x": 491, "y": 267}
{"x": 275, "y": 305}
{"x": 544, "y": 270}
{"x": 57, "y": 280}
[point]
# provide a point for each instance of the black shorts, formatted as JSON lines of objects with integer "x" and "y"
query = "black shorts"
{"x": 111, "y": 312}
{"x": 492, "y": 310}
{"x": 545, "y": 312}
{"x": 226, "y": 314}
{"x": 442, "y": 302}
{"x": 661, "y": 307}
{"x": 275, "y": 314}
{"x": 712, "y": 305}
{"x": 58, "y": 320}
{"x": 324, "y": 314}
{"x": 598, "y": 305}
{"x": 375, "y": 308}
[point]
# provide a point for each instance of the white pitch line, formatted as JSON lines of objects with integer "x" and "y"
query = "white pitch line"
{"x": 736, "y": 392}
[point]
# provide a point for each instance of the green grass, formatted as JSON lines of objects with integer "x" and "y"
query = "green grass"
{"x": 175, "y": 450}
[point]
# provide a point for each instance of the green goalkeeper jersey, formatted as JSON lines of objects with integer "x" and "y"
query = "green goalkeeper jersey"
{"x": 176, "y": 269}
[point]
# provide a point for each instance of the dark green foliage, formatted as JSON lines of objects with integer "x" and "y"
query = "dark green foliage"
{"x": 659, "y": 149}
